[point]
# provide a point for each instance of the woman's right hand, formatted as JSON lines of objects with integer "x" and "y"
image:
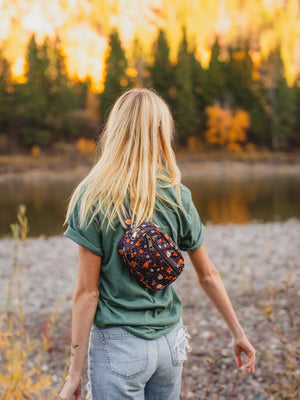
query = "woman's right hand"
{"x": 72, "y": 387}
{"x": 242, "y": 345}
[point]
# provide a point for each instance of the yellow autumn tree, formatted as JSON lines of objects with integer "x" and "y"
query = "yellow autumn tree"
{"x": 226, "y": 128}
{"x": 85, "y": 146}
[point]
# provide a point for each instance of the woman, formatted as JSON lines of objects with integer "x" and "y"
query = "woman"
{"x": 137, "y": 342}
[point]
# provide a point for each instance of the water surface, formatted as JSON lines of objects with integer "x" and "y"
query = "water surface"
{"x": 219, "y": 199}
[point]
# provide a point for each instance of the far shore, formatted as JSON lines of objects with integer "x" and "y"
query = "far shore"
{"x": 62, "y": 167}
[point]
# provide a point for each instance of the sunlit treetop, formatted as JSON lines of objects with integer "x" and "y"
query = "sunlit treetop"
{"x": 84, "y": 27}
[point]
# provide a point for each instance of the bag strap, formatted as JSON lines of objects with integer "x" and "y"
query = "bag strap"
{"x": 128, "y": 220}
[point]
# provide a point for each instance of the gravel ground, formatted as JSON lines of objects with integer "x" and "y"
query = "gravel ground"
{"x": 250, "y": 258}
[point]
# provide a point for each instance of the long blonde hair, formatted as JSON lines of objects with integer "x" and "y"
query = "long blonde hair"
{"x": 135, "y": 150}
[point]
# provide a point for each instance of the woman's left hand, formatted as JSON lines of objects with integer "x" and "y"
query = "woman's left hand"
{"x": 242, "y": 345}
{"x": 72, "y": 387}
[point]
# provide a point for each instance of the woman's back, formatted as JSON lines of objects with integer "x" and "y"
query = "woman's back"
{"x": 122, "y": 300}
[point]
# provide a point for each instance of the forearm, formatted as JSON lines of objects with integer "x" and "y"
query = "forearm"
{"x": 83, "y": 312}
{"x": 211, "y": 282}
{"x": 215, "y": 290}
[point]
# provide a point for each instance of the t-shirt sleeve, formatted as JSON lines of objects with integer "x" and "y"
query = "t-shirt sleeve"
{"x": 192, "y": 229}
{"x": 89, "y": 237}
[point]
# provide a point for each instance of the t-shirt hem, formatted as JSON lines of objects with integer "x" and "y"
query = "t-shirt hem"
{"x": 152, "y": 336}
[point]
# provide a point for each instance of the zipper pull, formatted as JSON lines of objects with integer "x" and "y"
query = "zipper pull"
{"x": 149, "y": 240}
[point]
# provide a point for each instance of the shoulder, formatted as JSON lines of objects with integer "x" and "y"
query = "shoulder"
{"x": 185, "y": 191}
{"x": 180, "y": 195}
{"x": 82, "y": 215}
{"x": 185, "y": 196}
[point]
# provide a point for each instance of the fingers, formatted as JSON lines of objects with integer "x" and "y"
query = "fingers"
{"x": 246, "y": 348}
{"x": 70, "y": 388}
{"x": 250, "y": 364}
{"x": 238, "y": 360}
{"x": 248, "y": 367}
{"x": 78, "y": 392}
{"x": 78, "y": 395}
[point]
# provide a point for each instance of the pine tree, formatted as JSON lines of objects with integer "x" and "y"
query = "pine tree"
{"x": 116, "y": 79}
{"x": 259, "y": 132}
{"x": 239, "y": 77}
{"x": 5, "y": 96}
{"x": 138, "y": 62}
{"x": 215, "y": 82}
{"x": 45, "y": 101}
{"x": 186, "y": 112}
{"x": 198, "y": 83}
{"x": 62, "y": 97}
{"x": 243, "y": 92}
{"x": 34, "y": 94}
{"x": 284, "y": 115}
{"x": 280, "y": 102}
{"x": 162, "y": 72}
{"x": 296, "y": 138}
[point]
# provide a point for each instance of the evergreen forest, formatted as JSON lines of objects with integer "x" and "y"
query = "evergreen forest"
{"x": 239, "y": 102}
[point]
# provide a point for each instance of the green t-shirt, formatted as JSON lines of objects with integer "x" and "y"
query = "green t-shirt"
{"x": 122, "y": 301}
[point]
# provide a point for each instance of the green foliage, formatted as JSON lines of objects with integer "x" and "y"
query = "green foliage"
{"x": 198, "y": 82}
{"x": 162, "y": 72}
{"x": 142, "y": 74}
{"x": 33, "y": 95}
{"x": 49, "y": 106}
{"x": 5, "y": 96}
{"x": 284, "y": 115}
{"x": 116, "y": 79}
{"x": 268, "y": 100}
{"x": 215, "y": 83}
{"x": 33, "y": 135}
{"x": 46, "y": 99}
{"x": 279, "y": 102}
{"x": 239, "y": 77}
{"x": 36, "y": 89}
{"x": 295, "y": 140}
{"x": 186, "y": 111}
{"x": 242, "y": 91}
{"x": 62, "y": 98}
{"x": 259, "y": 132}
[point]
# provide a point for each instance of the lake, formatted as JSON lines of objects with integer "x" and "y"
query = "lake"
{"x": 219, "y": 199}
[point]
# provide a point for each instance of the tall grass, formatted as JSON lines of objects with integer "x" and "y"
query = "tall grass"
{"x": 21, "y": 355}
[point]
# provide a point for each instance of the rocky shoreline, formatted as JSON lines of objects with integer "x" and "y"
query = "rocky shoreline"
{"x": 250, "y": 258}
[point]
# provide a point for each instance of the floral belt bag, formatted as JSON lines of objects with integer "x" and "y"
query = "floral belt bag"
{"x": 151, "y": 255}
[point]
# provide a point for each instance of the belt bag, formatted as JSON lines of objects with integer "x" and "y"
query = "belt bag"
{"x": 151, "y": 255}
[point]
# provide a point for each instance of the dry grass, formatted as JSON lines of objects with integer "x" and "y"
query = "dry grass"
{"x": 22, "y": 356}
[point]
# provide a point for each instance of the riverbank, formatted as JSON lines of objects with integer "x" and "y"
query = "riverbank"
{"x": 74, "y": 165}
{"x": 251, "y": 258}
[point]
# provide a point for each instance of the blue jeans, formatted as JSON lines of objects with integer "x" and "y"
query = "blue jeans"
{"x": 123, "y": 366}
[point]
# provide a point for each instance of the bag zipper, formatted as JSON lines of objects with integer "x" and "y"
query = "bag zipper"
{"x": 152, "y": 244}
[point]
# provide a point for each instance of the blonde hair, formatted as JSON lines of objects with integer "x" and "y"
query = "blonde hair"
{"x": 135, "y": 150}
